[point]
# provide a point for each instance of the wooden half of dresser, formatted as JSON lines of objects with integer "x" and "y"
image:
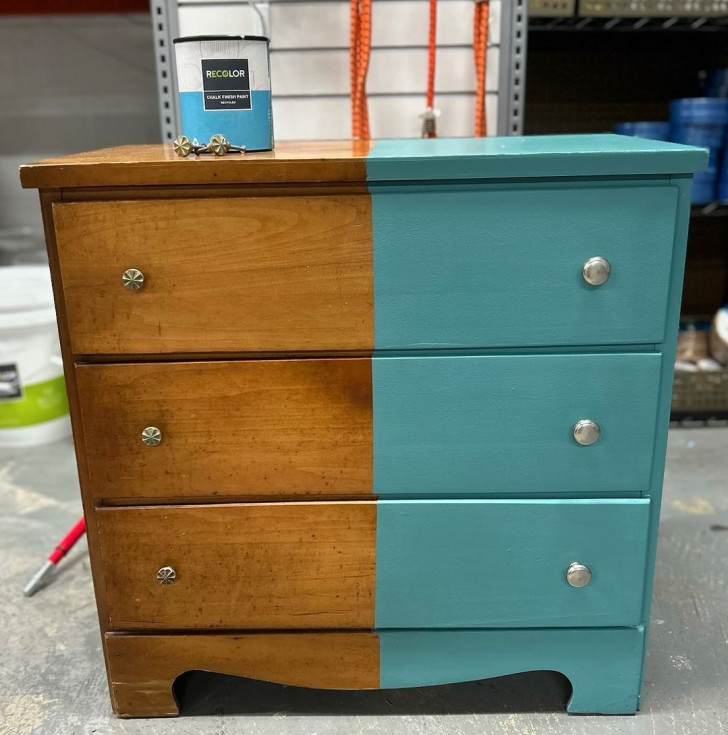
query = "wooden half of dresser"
{"x": 353, "y": 415}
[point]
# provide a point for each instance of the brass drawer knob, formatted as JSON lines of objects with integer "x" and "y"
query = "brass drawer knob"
{"x": 596, "y": 271}
{"x": 132, "y": 279}
{"x": 166, "y": 575}
{"x": 151, "y": 436}
{"x": 578, "y": 575}
{"x": 586, "y": 432}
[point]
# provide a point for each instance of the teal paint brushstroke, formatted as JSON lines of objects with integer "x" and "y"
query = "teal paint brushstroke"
{"x": 502, "y": 425}
{"x": 502, "y": 563}
{"x": 603, "y": 665}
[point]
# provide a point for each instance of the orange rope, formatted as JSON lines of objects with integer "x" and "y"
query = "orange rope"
{"x": 480, "y": 48}
{"x": 429, "y": 116}
{"x": 432, "y": 55}
{"x": 354, "y": 67}
{"x": 360, "y": 39}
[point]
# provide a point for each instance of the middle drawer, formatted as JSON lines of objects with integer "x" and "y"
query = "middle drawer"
{"x": 393, "y": 426}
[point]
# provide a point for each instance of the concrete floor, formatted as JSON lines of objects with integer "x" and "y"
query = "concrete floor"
{"x": 52, "y": 678}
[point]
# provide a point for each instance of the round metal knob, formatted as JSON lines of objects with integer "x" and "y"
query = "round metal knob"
{"x": 596, "y": 271}
{"x": 166, "y": 575}
{"x": 132, "y": 279}
{"x": 578, "y": 575}
{"x": 151, "y": 436}
{"x": 586, "y": 432}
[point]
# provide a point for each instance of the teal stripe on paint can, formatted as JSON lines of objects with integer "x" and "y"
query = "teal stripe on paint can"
{"x": 503, "y": 563}
{"x": 253, "y": 128}
{"x": 503, "y": 425}
{"x": 603, "y": 665}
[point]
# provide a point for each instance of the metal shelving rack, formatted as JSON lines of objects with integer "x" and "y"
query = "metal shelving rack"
{"x": 645, "y": 24}
{"x": 511, "y": 82}
{"x": 165, "y": 26}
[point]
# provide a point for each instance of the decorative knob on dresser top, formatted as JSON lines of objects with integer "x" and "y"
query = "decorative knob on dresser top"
{"x": 151, "y": 436}
{"x": 166, "y": 575}
{"x": 578, "y": 575}
{"x": 133, "y": 279}
{"x": 586, "y": 432}
{"x": 596, "y": 271}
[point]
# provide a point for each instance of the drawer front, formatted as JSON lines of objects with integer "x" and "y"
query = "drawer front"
{"x": 500, "y": 425}
{"x": 395, "y": 426}
{"x": 385, "y": 564}
{"x": 503, "y": 266}
{"x": 272, "y": 565}
{"x": 245, "y": 428}
{"x": 503, "y": 563}
{"x": 398, "y": 269}
{"x": 244, "y": 274}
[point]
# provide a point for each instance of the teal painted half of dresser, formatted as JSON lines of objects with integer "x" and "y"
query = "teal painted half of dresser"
{"x": 502, "y": 563}
{"x": 683, "y": 185}
{"x": 501, "y": 265}
{"x": 530, "y": 156}
{"x": 603, "y": 665}
{"x": 503, "y": 424}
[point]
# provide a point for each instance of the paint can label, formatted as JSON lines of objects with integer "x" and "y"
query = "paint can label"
{"x": 11, "y": 388}
{"x": 226, "y": 84}
{"x": 224, "y": 87}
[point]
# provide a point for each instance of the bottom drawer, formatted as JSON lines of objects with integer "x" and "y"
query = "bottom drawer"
{"x": 375, "y": 564}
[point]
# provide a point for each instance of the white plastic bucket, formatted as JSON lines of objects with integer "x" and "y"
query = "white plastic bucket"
{"x": 33, "y": 401}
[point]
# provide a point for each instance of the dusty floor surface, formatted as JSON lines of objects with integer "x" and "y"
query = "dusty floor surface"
{"x": 52, "y": 678}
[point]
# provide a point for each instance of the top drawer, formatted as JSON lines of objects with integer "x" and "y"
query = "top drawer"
{"x": 220, "y": 275}
{"x": 447, "y": 267}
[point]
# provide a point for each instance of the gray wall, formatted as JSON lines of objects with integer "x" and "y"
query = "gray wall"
{"x": 67, "y": 84}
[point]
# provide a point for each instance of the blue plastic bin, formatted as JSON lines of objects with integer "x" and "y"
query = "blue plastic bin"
{"x": 721, "y": 194}
{"x": 699, "y": 121}
{"x": 704, "y": 190}
{"x": 651, "y": 130}
{"x": 722, "y": 187}
{"x": 716, "y": 83}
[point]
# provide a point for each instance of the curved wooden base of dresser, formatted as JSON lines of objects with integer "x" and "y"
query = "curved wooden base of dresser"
{"x": 604, "y": 665}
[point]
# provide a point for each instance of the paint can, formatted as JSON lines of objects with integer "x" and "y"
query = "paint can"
{"x": 224, "y": 87}
{"x": 33, "y": 402}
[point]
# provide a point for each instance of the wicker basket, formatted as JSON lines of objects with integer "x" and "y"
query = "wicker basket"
{"x": 700, "y": 394}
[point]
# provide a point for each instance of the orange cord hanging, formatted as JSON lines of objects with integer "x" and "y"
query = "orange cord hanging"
{"x": 480, "y": 48}
{"x": 360, "y": 40}
{"x": 429, "y": 117}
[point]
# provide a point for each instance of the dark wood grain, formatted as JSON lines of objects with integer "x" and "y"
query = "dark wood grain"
{"x": 239, "y": 274}
{"x": 139, "y": 165}
{"x": 143, "y": 667}
{"x": 246, "y": 566}
{"x": 252, "y": 428}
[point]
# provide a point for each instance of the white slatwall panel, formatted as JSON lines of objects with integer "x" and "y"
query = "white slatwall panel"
{"x": 398, "y": 116}
{"x": 310, "y": 63}
{"x": 391, "y": 71}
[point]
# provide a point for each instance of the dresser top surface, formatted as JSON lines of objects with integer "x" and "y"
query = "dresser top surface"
{"x": 372, "y": 162}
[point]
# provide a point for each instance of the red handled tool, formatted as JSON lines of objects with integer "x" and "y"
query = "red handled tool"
{"x": 41, "y": 577}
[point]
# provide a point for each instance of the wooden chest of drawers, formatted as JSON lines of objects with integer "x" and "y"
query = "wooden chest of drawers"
{"x": 356, "y": 416}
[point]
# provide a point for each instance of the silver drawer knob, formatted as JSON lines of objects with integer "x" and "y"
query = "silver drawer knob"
{"x": 578, "y": 575}
{"x": 151, "y": 436}
{"x": 132, "y": 279}
{"x": 596, "y": 271}
{"x": 166, "y": 575}
{"x": 587, "y": 432}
